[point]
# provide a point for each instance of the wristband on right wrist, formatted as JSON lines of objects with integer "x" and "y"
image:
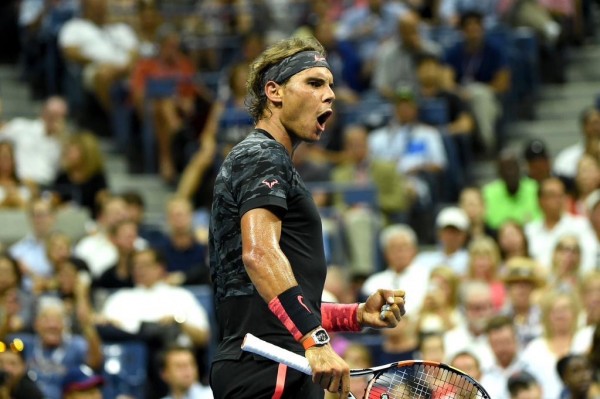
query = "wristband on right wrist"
{"x": 290, "y": 309}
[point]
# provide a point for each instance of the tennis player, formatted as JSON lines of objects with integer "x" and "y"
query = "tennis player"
{"x": 266, "y": 246}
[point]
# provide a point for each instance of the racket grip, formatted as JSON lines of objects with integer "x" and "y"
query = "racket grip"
{"x": 278, "y": 354}
{"x": 258, "y": 346}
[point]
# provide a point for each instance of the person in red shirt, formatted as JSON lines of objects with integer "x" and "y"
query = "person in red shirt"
{"x": 171, "y": 109}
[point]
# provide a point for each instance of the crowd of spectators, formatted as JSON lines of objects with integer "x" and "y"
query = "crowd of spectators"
{"x": 502, "y": 278}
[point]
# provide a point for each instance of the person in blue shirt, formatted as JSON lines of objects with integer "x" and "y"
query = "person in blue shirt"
{"x": 185, "y": 256}
{"x": 51, "y": 351}
{"x": 480, "y": 70}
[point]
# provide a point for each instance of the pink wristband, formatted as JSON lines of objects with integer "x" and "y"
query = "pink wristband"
{"x": 340, "y": 317}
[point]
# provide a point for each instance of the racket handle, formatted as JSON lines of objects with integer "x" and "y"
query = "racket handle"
{"x": 263, "y": 348}
{"x": 293, "y": 360}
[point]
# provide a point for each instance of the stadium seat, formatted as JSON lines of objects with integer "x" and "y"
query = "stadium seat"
{"x": 18, "y": 222}
{"x": 155, "y": 89}
{"x": 73, "y": 221}
{"x": 204, "y": 295}
{"x": 125, "y": 366}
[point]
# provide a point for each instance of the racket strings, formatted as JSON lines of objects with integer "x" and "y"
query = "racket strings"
{"x": 423, "y": 381}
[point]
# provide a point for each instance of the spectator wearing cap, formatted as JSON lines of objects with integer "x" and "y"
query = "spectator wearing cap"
{"x": 587, "y": 180}
{"x": 502, "y": 336}
{"x": 16, "y": 383}
{"x": 522, "y": 277}
{"x": 400, "y": 246}
{"x": 537, "y": 159}
{"x": 82, "y": 383}
{"x": 417, "y": 149}
{"x": 511, "y": 196}
{"x": 544, "y": 233}
{"x": 523, "y": 385}
{"x": 565, "y": 163}
{"x": 452, "y": 226}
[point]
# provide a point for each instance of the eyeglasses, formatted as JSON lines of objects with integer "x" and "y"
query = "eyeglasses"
{"x": 16, "y": 346}
{"x": 566, "y": 247}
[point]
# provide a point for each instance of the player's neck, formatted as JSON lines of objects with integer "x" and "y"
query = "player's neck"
{"x": 274, "y": 127}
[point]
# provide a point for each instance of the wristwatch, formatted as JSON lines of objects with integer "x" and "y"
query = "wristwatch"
{"x": 319, "y": 337}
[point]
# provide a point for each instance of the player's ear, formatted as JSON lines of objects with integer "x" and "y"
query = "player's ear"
{"x": 273, "y": 91}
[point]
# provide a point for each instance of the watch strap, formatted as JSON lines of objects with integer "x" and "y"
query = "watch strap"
{"x": 310, "y": 342}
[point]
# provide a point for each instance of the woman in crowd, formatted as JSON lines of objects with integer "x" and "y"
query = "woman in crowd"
{"x": 560, "y": 311}
{"x": 82, "y": 180}
{"x": 587, "y": 180}
{"x": 484, "y": 265}
{"x": 566, "y": 264}
{"x": 440, "y": 307}
{"x": 512, "y": 240}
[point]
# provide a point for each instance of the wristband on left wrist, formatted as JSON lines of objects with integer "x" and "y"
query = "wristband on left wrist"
{"x": 290, "y": 309}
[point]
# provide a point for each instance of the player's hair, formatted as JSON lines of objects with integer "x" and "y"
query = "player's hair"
{"x": 257, "y": 100}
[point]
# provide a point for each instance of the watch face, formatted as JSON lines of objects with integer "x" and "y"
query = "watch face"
{"x": 321, "y": 336}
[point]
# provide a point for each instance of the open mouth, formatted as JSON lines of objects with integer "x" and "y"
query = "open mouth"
{"x": 322, "y": 118}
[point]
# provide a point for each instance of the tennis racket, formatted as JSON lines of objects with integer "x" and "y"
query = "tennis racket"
{"x": 413, "y": 379}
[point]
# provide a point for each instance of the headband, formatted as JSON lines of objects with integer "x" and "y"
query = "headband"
{"x": 291, "y": 65}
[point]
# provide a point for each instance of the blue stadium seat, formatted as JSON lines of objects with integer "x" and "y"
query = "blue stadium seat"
{"x": 205, "y": 296}
{"x": 372, "y": 111}
{"x": 445, "y": 36}
{"x": 155, "y": 89}
{"x": 121, "y": 115}
{"x": 125, "y": 369}
{"x": 434, "y": 112}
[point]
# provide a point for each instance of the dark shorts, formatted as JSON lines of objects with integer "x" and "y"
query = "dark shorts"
{"x": 253, "y": 377}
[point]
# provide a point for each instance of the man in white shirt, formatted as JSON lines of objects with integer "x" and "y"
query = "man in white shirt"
{"x": 105, "y": 50}
{"x": 399, "y": 245}
{"x": 154, "y": 301}
{"x": 565, "y": 164}
{"x": 452, "y": 225}
{"x": 476, "y": 299}
{"x": 157, "y": 313}
{"x": 544, "y": 233}
{"x": 97, "y": 249}
{"x": 503, "y": 340}
{"x": 38, "y": 142}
